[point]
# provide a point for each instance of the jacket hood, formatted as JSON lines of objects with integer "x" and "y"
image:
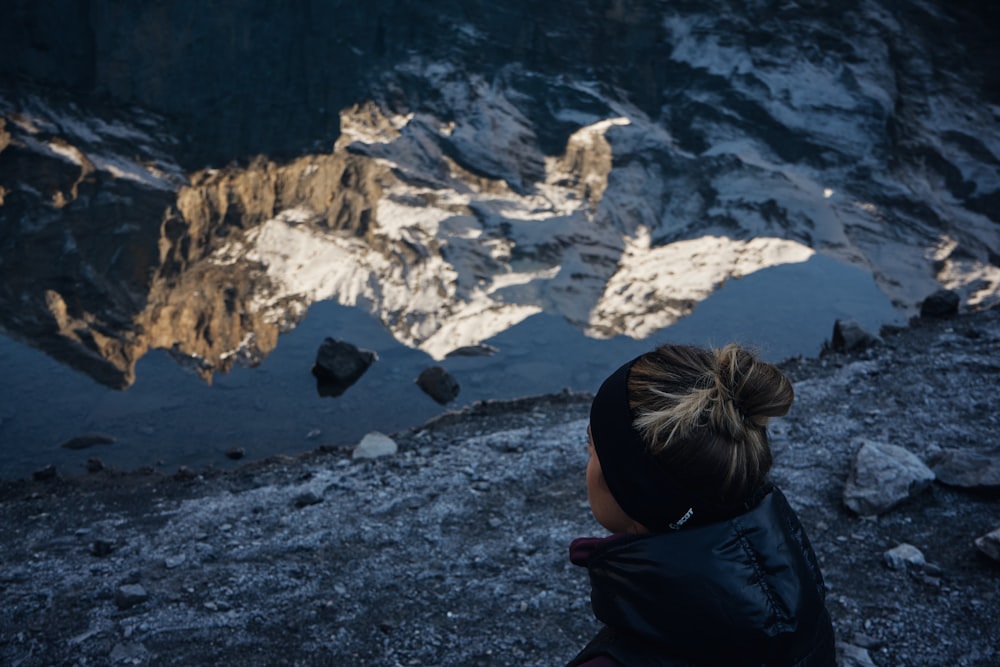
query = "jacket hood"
{"x": 746, "y": 591}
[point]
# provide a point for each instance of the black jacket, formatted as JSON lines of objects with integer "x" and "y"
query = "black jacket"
{"x": 742, "y": 592}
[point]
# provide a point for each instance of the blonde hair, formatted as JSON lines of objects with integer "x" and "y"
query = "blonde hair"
{"x": 704, "y": 413}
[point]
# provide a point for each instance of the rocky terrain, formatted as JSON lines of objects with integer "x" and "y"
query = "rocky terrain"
{"x": 449, "y": 545}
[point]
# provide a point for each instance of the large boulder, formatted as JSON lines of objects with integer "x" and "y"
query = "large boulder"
{"x": 338, "y": 365}
{"x": 968, "y": 469}
{"x": 940, "y": 304}
{"x": 882, "y": 476}
{"x": 439, "y": 384}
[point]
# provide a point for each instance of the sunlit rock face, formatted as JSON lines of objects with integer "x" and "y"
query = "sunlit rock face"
{"x": 454, "y": 172}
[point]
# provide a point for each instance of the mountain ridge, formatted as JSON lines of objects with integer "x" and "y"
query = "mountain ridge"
{"x": 476, "y": 180}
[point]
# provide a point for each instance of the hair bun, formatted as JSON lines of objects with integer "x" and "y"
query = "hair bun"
{"x": 756, "y": 389}
{"x": 706, "y": 411}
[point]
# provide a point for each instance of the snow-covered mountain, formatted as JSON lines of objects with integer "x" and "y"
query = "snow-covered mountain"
{"x": 454, "y": 168}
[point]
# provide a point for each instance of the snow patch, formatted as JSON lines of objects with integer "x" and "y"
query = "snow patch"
{"x": 65, "y": 151}
{"x": 638, "y": 297}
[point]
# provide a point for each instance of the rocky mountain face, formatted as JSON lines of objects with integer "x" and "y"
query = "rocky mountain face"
{"x": 192, "y": 178}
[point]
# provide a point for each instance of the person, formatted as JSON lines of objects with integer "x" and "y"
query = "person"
{"x": 707, "y": 564}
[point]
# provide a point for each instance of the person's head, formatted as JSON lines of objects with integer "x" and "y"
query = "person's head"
{"x": 679, "y": 435}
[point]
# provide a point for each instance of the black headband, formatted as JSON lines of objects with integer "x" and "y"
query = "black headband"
{"x": 644, "y": 488}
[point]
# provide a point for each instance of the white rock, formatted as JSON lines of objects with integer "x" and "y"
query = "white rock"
{"x": 374, "y": 445}
{"x": 883, "y": 476}
{"x": 904, "y": 555}
{"x": 170, "y": 562}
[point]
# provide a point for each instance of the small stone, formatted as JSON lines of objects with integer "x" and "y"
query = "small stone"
{"x": 849, "y": 655}
{"x": 932, "y": 570}
{"x": 904, "y": 556}
{"x": 131, "y": 653}
{"x": 313, "y": 434}
{"x": 94, "y": 464}
{"x": 338, "y": 365}
{"x": 865, "y": 641}
{"x": 921, "y": 576}
{"x": 849, "y": 336}
{"x": 374, "y": 445}
{"x": 941, "y": 304}
{"x": 989, "y": 544}
{"x": 235, "y": 453}
{"x": 101, "y": 548}
{"x": 130, "y": 595}
{"x": 306, "y": 499}
{"x": 184, "y": 473}
{"x": 439, "y": 384}
{"x": 45, "y": 474}
{"x": 171, "y": 562}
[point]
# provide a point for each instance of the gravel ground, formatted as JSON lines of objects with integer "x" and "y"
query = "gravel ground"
{"x": 453, "y": 551}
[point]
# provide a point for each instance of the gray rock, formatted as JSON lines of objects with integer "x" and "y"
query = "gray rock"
{"x": 968, "y": 469}
{"x": 338, "y": 365}
{"x": 903, "y": 557}
{"x": 374, "y": 445}
{"x": 882, "y": 476}
{"x": 439, "y": 384}
{"x": 95, "y": 464}
{"x": 940, "y": 304}
{"x": 849, "y": 655}
{"x": 849, "y": 336}
{"x": 989, "y": 544}
{"x": 130, "y": 595}
{"x": 235, "y": 453}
